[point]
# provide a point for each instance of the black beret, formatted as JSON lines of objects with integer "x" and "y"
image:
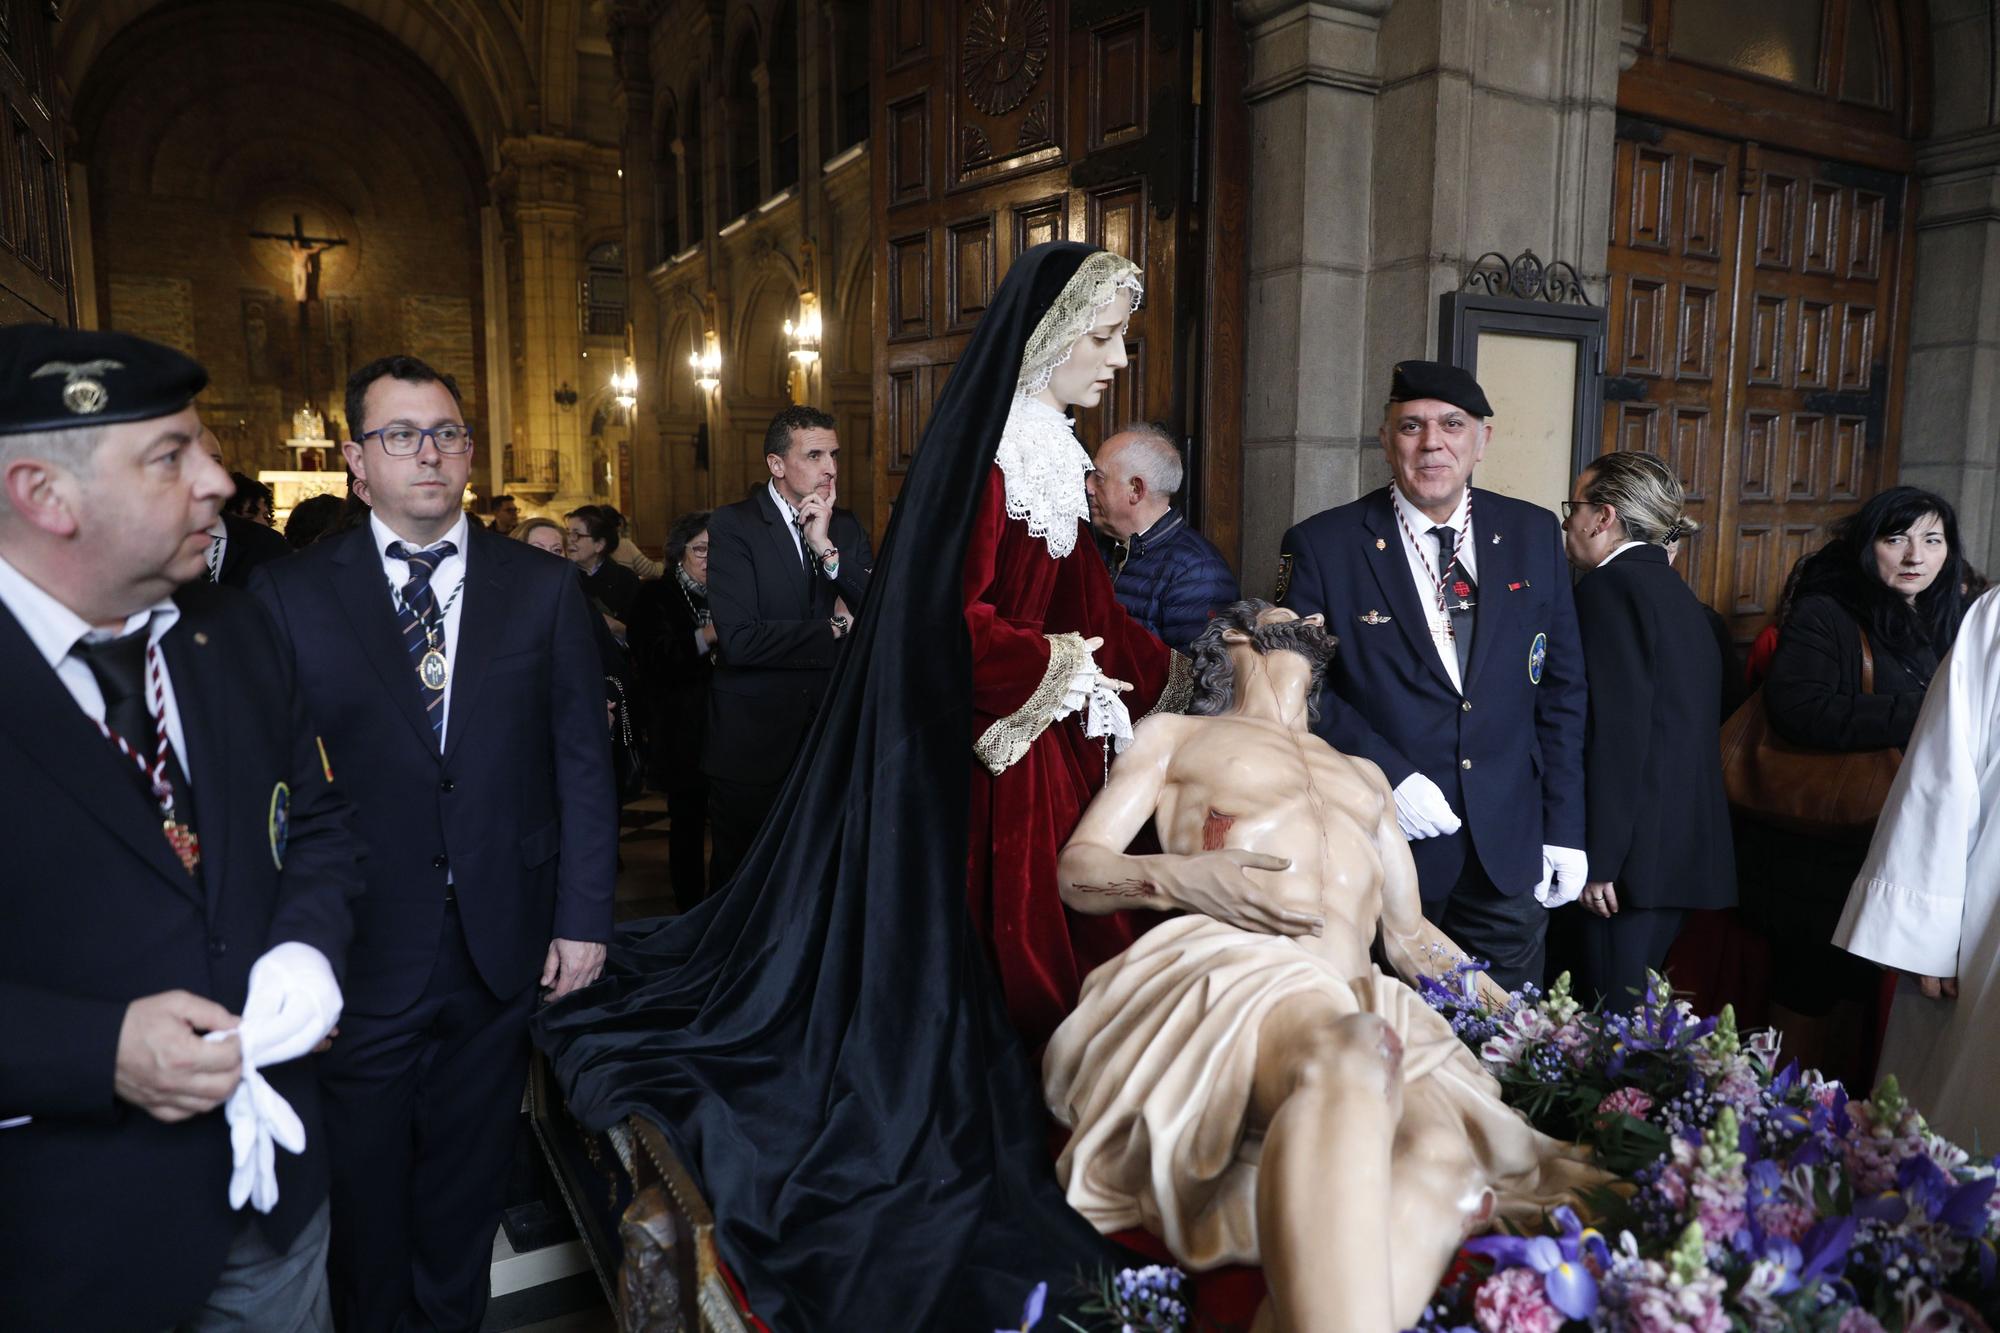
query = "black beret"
{"x": 1438, "y": 380}
{"x": 61, "y": 379}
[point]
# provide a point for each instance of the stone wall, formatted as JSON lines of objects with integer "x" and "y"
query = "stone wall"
{"x": 1392, "y": 145}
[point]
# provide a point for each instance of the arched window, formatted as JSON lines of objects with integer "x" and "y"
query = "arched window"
{"x": 667, "y": 187}
{"x": 604, "y": 290}
{"x": 782, "y": 68}
{"x": 1831, "y": 47}
{"x": 746, "y": 188}
{"x": 850, "y": 74}
{"x": 694, "y": 167}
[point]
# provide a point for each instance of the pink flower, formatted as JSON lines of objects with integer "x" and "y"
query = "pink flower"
{"x": 1785, "y": 1220}
{"x": 1857, "y": 1320}
{"x": 1627, "y": 1101}
{"x": 1512, "y": 1301}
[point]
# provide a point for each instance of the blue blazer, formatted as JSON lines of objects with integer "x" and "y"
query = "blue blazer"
{"x": 519, "y": 809}
{"x": 1508, "y": 752}
{"x": 110, "y": 1219}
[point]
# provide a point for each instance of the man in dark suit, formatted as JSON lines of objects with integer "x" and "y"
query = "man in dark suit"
{"x": 456, "y": 670}
{"x": 787, "y": 572}
{"x": 176, "y": 856}
{"x": 237, "y": 545}
{"x": 1459, "y": 671}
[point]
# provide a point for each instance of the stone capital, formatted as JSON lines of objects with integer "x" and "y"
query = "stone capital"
{"x": 1327, "y": 44}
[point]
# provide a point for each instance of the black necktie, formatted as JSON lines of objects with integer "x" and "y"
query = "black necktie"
{"x": 423, "y": 627}
{"x": 119, "y": 667}
{"x": 1461, "y": 597}
{"x": 805, "y": 556}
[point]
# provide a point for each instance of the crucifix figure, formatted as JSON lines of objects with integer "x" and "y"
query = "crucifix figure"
{"x": 306, "y": 251}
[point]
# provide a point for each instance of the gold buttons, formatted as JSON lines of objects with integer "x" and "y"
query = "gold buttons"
{"x": 1466, "y": 706}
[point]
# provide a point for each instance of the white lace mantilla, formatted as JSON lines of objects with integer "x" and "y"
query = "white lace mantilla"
{"x": 1044, "y": 466}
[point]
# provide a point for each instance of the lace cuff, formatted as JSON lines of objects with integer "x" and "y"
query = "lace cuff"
{"x": 1178, "y": 692}
{"x": 1001, "y": 745}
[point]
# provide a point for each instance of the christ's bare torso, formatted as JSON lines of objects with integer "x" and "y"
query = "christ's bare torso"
{"x": 1246, "y": 783}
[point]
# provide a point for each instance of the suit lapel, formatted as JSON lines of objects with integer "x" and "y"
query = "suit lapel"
{"x": 1388, "y": 559}
{"x": 42, "y": 716}
{"x": 1497, "y": 566}
{"x": 487, "y": 576}
{"x": 363, "y": 592}
{"x": 780, "y": 525}
{"x": 198, "y": 693}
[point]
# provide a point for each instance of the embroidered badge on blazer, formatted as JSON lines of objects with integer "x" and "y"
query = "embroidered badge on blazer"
{"x": 1374, "y": 617}
{"x": 280, "y": 822}
{"x": 1284, "y": 577}
{"x": 1538, "y": 653}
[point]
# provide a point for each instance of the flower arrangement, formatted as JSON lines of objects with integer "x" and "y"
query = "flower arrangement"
{"x": 1755, "y": 1198}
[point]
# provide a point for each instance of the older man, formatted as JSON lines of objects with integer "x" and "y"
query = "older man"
{"x": 1460, "y": 672}
{"x": 1166, "y": 574}
{"x": 177, "y": 855}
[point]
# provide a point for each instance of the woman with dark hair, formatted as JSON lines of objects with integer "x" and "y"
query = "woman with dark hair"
{"x": 253, "y": 500}
{"x": 593, "y": 536}
{"x": 1885, "y": 590}
{"x": 673, "y": 645}
{"x": 827, "y": 1045}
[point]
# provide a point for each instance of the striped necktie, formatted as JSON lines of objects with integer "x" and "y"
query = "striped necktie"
{"x": 422, "y": 625}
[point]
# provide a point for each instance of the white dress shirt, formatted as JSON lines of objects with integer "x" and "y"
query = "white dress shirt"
{"x": 791, "y": 516}
{"x": 1617, "y": 551}
{"x": 54, "y": 629}
{"x": 1424, "y": 572}
{"x": 445, "y": 582}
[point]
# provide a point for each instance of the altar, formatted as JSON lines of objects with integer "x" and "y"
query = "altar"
{"x": 289, "y": 488}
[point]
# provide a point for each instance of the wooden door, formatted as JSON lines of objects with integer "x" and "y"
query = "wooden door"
{"x": 34, "y": 188}
{"x": 1755, "y": 310}
{"x": 1000, "y": 124}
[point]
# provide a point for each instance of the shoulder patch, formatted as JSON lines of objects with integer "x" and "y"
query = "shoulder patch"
{"x": 1284, "y": 584}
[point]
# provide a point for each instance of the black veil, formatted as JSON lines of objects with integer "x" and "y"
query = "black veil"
{"x": 823, "y": 1042}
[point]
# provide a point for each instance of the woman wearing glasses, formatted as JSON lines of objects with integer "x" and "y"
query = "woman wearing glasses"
{"x": 1657, "y": 822}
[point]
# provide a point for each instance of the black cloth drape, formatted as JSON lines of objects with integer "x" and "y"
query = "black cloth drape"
{"x": 823, "y": 1041}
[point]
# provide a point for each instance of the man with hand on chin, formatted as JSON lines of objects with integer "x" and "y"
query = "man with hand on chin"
{"x": 456, "y": 682}
{"x": 1460, "y": 671}
{"x": 786, "y": 574}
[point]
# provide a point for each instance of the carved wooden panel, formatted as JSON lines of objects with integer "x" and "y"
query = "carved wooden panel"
{"x": 1638, "y": 427}
{"x": 908, "y": 405}
{"x": 1850, "y": 457}
{"x": 1767, "y": 340}
{"x": 1864, "y": 236}
{"x": 1039, "y": 221}
{"x": 969, "y": 271}
{"x": 1815, "y": 344}
{"x": 1696, "y": 333}
{"x": 34, "y": 192}
{"x": 1760, "y": 456}
{"x": 1691, "y": 451}
{"x": 1808, "y": 445}
{"x": 910, "y": 287}
{"x": 1755, "y": 558}
{"x": 1707, "y": 190}
{"x": 1115, "y": 108}
{"x": 1822, "y": 229}
{"x": 1857, "y": 345}
{"x": 909, "y": 32}
{"x": 1004, "y": 101}
{"x": 1645, "y": 313}
{"x": 1117, "y": 221}
{"x": 1651, "y": 210}
{"x": 1774, "y": 221}
{"x": 909, "y": 155}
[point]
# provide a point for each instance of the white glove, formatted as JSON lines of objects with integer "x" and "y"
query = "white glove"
{"x": 293, "y": 1002}
{"x": 1565, "y": 870}
{"x": 1421, "y": 809}
{"x": 1104, "y": 713}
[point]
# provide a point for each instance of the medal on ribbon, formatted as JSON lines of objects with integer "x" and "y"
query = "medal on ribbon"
{"x": 433, "y": 671}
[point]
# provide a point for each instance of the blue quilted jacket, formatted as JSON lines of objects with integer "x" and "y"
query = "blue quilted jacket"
{"x": 1172, "y": 580}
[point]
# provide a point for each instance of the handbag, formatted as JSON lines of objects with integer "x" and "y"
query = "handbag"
{"x": 1834, "y": 794}
{"x": 628, "y": 764}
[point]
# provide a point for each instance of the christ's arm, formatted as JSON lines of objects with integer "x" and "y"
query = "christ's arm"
{"x": 1413, "y": 945}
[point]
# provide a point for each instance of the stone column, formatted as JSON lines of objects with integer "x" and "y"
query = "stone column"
{"x": 1391, "y": 145}
{"x": 540, "y": 183}
{"x": 499, "y": 423}
{"x": 633, "y": 96}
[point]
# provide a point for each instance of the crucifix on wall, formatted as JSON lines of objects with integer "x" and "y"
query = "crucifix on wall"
{"x": 305, "y": 257}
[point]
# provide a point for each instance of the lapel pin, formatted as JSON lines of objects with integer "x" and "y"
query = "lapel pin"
{"x": 1381, "y": 545}
{"x": 201, "y": 638}
{"x": 1496, "y": 539}
{"x": 1513, "y": 587}
{"x": 1374, "y": 618}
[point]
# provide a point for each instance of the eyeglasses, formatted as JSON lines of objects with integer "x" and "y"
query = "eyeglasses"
{"x": 403, "y": 441}
{"x": 1571, "y": 506}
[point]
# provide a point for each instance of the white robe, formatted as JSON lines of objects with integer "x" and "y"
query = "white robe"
{"x": 1927, "y": 901}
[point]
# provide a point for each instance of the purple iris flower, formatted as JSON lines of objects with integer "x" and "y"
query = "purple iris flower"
{"x": 1568, "y": 1283}
{"x": 1925, "y": 1186}
{"x": 1824, "y": 1251}
{"x": 1031, "y": 1313}
{"x": 1762, "y": 1181}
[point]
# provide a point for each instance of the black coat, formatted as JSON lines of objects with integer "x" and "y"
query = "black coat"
{"x": 249, "y": 544}
{"x": 674, "y": 673}
{"x": 109, "y": 1218}
{"x": 613, "y": 587}
{"x": 1656, "y": 817}
{"x": 1813, "y": 693}
{"x": 518, "y": 809}
{"x": 775, "y": 649}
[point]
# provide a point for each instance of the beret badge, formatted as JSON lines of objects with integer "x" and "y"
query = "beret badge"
{"x": 83, "y": 392}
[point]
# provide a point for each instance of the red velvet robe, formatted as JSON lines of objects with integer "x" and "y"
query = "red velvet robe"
{"x": 1015, "y": 594}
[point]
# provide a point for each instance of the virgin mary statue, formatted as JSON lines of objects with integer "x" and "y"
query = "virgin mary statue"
{"x": 828, "y": 1041}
